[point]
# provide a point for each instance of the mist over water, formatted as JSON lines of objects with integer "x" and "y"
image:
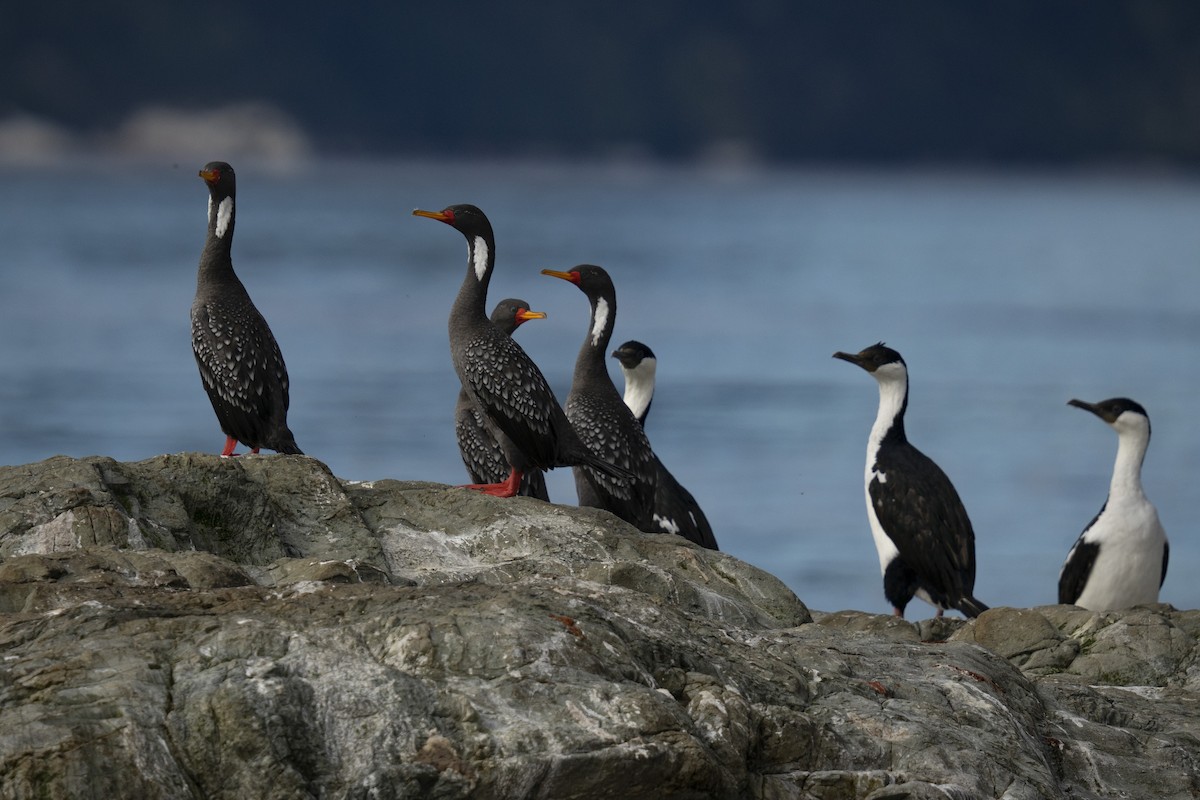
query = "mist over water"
{"x": 1008, "y": 295}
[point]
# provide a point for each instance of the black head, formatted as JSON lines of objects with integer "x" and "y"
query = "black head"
{"x": 592, "y": 280}
{"x": 632, "y": 353}
{"x": 464, "y": 217}
{"x": 221, "y": 180}
{"x": 509, "y": 314}
{"x": 874, "y": 357}
{"x": 1110, "y": 410}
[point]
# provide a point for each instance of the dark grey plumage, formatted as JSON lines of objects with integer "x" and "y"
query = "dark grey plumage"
{"x": 481, "y": 453}
{"x": 654, "y": 501}
{"x": 924, "y": 538}
{"x": 516, "y": 400}
{"x": 240, "y": 363}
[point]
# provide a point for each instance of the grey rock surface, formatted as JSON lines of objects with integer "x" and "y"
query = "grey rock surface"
{"x": 197, "y": 627}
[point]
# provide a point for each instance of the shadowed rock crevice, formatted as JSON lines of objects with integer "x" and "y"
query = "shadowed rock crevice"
{"x": 411, "y": 640}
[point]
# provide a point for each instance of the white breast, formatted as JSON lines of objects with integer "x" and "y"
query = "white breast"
{"x": 1128, "y": 568}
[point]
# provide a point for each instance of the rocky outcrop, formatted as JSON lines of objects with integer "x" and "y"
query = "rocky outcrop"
{"x": 197, "y": 627}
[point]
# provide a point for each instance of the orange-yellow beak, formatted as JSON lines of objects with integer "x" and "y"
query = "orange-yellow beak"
{"x": 573, "y": 277}
{"x": 524, "y": 315}
{"x": 440, "y": 216}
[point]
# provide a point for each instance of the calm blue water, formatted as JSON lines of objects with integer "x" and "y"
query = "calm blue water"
{"x": 1007, "y": 294}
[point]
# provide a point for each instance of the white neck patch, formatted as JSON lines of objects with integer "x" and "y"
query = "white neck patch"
{"x": 601, "y": 320}
{"x": 480, "y": 251}
{"x": 224, "y": 215}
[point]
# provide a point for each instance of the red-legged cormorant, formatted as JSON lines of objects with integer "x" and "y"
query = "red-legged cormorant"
{"x": 240, "y": 363}
{"x": 500, "y": 377}
{"x": 654, "y": 501}
{"x": 481, "y": 453}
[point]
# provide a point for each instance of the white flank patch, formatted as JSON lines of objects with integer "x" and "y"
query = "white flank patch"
{"x": 481, "y": 257}
{"x": 224, "y": 214}
{"x": 601, "y": 317}
{"x": 210, "y": 206}
{"x": 668, "y": 525}
{"x": 884, "y": 545}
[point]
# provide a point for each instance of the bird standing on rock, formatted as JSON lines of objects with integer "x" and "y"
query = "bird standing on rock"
{"x": 240, "y": 363}
{"x": 500, "y": 378}
{"x": 925, "y": 541}
{"x": 654, "y": 501}
{"x": 1120, "y": 559}
{"x": 480, "y": 451}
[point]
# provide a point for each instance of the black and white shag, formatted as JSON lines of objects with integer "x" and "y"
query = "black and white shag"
{"x": 1120, "y": 559}
{"x": 638, "y": 365}
{"x": 924, "y": 538}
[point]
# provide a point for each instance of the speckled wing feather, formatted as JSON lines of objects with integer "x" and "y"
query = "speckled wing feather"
{"x": 482, "y": 456}
{"x": 1072, "y": 578}
{"x": 241, "y": 366}
{"x": 910, "y": 508}
{"x": 511, "y": 390}
{"x": 611, "y": 433}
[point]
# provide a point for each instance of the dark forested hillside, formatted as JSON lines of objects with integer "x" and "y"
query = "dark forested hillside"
{"x": 845, "y": 80}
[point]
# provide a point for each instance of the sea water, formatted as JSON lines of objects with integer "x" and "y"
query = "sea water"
{"x": 1008, "y": 293}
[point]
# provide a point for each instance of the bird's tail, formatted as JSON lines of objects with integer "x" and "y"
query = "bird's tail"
{"x": 970, "y": 606}
{"x": 287, "y": 445}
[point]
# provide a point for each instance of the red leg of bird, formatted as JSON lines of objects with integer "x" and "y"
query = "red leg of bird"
{"x": 897, "y": 612}
{"x": 508, "y": 488}
{"x": 939, "y": 613}
{"x": 230, "y": 445}
{"x": 254, "y": 451}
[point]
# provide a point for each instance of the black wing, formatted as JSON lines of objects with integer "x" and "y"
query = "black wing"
{"x": 921, "y": 512}
{"x": 1166, "y": 557}
{"x": 1072, "y": 578}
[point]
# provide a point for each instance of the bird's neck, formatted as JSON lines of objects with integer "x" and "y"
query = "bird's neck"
{"x": 215, "y": 261}
{"x": 639, "y": 388}
{"x": 889, "y": 420}
{"x": 1127, "y": 470}
{"x": 472, "y": 296}
{"x": 590, "y": 365}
